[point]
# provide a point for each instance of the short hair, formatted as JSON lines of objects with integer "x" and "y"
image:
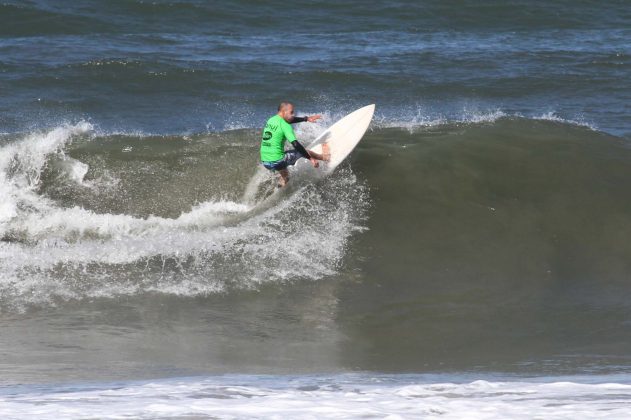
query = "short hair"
{"x": 283, "y": 105}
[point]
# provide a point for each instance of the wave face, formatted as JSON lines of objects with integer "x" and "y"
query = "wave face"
{"x": 499, "y": 229}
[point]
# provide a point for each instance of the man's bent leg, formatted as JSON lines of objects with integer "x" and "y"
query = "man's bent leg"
{"x": 284, "y": 177}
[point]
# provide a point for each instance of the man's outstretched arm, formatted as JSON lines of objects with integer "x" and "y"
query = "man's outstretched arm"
{"x": 310, "y": 118}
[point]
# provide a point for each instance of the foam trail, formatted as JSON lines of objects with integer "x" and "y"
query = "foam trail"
{"x": 254, "y": 185}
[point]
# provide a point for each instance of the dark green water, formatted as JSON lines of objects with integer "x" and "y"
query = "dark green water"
{"x": 481, "y": 225}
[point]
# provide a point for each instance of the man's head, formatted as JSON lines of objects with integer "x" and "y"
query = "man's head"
{"x": 286, "y": 111}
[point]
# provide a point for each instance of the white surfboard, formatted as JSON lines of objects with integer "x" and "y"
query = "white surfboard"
{"x": 343, "y": 136}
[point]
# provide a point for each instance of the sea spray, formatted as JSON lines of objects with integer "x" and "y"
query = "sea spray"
{"x": 61, "y": 249}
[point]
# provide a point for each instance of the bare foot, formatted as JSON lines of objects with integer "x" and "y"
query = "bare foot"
{"x": 284, "y": 177}
{"x": 326, "y": 152}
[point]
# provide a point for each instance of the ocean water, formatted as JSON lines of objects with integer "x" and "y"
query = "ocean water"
{"x": 471, "y": 258}
{"x": 324, "y": 396}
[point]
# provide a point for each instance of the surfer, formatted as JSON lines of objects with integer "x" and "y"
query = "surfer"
{"x": 278, "y": 130}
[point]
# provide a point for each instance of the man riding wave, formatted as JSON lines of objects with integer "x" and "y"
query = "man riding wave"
{"x": 277, "y": 131}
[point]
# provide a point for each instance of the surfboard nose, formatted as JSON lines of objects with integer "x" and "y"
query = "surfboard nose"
{"x": 370, "y": 108}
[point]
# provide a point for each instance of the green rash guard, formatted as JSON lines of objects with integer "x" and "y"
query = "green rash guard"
{"x": 275, "y": 133}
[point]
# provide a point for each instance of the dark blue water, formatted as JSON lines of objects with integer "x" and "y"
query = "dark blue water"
{"x": 192, "y": 66}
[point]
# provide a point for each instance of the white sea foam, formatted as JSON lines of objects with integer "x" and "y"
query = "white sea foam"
{"x": 254, "y": 247}
{"x": 421, "y": 119}
{"x": 551, "y": 116}
{"x": 415, "y": 118}
{"x": 336, "y": 397}
{"x": 72, "y": 169}
{"x": 51, "y": 252}
{"x": 21, "y": 165}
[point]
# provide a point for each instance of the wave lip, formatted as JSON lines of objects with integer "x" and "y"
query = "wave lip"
{"x": 420, "y": 119}
{"x": 21, "y": 166}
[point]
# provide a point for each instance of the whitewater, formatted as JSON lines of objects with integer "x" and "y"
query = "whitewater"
{"x": 324, "y": 396}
